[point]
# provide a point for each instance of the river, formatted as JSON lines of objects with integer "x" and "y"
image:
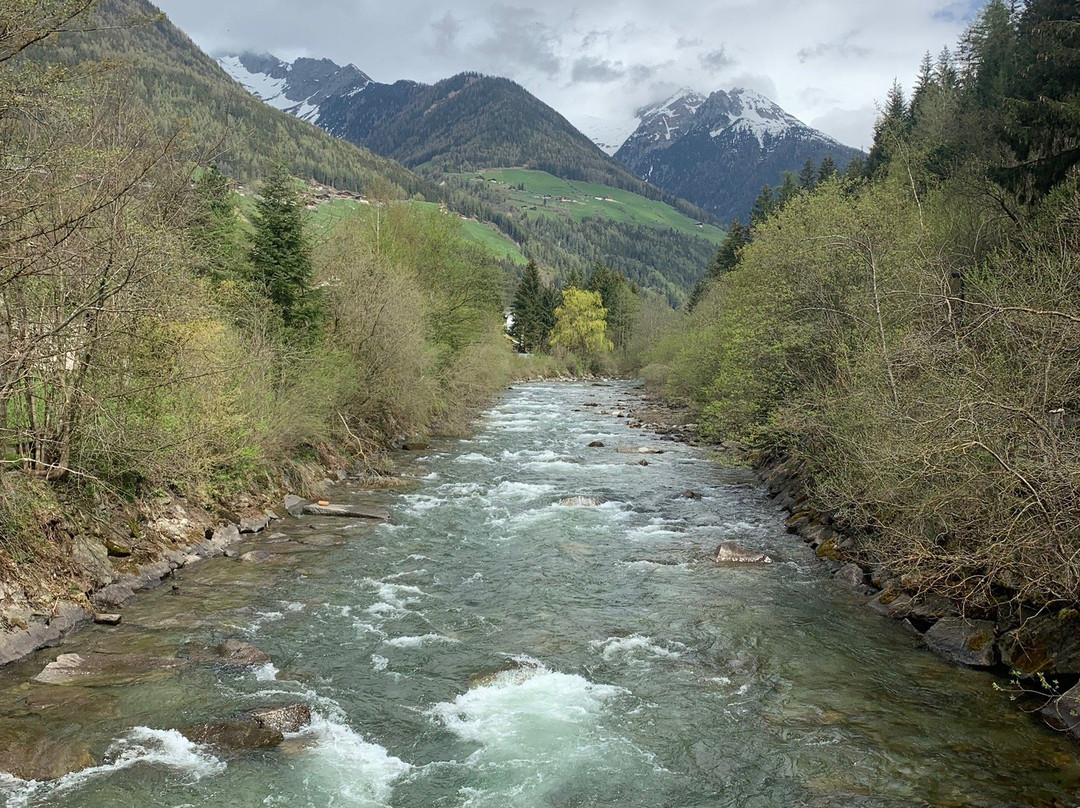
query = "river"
{"x": 493, "y": 647}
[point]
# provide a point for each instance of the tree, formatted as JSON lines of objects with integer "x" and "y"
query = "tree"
{"x": 618, "y": 300}
{"x": 218, "y": 241}
{"x": 580, "y": 325}
{"x": 828, "y": 169}
{"x": 764, "y": 206}
{"x": 890, "y": 130}
{"x": 532, "y": 311}
{"x": 281, "y": 264}
{"x": 808, "y": 177}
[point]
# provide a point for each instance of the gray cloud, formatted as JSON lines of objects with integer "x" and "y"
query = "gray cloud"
{"x": 523, "y": 37}
{"x": 597, "y": 70}
{"x": 605, "y": 58}
{"x": 843, "y": 48}
{"x": 446, "y": 31}
{"x": 716, "y": 60}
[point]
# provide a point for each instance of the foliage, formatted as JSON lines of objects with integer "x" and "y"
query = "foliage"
{"x": 580, "y": 327}
{"x": 533, "y": 311}
{"x": 912, "y": 340}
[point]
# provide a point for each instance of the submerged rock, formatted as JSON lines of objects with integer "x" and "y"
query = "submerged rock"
{"x": 235, "y": 652}
{"x": 104, "y": 670}
{"x": 596, "y": 444}
{"x": 730, "y": 552}
{"x": 31, "y": 753}
{"x": 254, "y": 557}
{"x": 690, "y": 494}
{"x": 965, "y": 642}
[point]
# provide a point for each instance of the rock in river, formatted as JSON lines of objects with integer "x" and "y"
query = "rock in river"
{"x": 235, "y": 652}
{"x": 353, "y": 511}
{"x": 966, "y": 642}
{"x": 103, "y": 670}
{"x": 286, "y": 718}
{"x": 730, "y": 552}
{"x": 234, "y": 736}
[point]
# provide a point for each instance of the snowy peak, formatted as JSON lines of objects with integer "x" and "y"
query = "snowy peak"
{"x": 748, "y": 112}
{"x": 298, "y": 88}
{"x": 608, "y": 134}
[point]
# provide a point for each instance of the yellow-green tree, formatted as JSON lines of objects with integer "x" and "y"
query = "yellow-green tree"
{"x": 581, "y": 324}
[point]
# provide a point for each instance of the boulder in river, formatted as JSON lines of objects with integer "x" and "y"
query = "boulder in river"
{"x": 235, "y": 652}
{"x": 107, "y": 619}
{"x": 596, "y": 444}
{"x": 234, "y": 736}
{"x": 254, "y": 557}
{"x": 581, "y": 502}
{"x": 349, "y": 511}
{"x": 284, "y": 718}
{"x": 965, "y": 642}
{"x": 688, "y": 494}
{"x": 254, "y": 524}
{"x": 730, "y": 552}
{"x": 1047, "y": 643}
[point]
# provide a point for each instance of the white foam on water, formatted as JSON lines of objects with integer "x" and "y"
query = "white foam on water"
{"x": 368, "y": 628}
{"x": 394, "y": 599}
{"x": 348, "y": 769}
{"x": 417, "y": 557}
{"x": 474, "y": 457}
{"x": 516, "y": 490}
{"x": 379, "y": 663}
{"x": 420, "y": 503}
{"x": 142, "y": 745}
{"x": 637, "y": 648}
{"x": 266, "y": 673}
{"x": 526, "y": 712}
{"x": 418, "y": 642}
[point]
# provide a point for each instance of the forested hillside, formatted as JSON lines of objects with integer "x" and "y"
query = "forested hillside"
{"x": 911, "y": 337}
{"x": 159, "y": 341}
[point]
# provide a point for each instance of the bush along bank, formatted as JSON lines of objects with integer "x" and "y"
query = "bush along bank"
{"x": 1035, "y": 648}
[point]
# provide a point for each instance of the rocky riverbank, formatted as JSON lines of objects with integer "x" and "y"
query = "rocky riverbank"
{"x": 1034, "y": 650}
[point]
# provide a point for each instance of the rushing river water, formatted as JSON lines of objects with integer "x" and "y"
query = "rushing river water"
{"x": 493, "y": 647}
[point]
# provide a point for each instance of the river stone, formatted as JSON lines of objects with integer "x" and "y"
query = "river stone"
{"x": 965, "y": 642}
{"x": 1063, "y": 712}
{"x": 112, "y": 595}
{"x": 105, "y": 670}
{"x": 294, "y": 505}
{"x": 117, "y": 547}
{"x": 235, "y": 652}
{"x": 107, "y": 619}
{"x": 580, "y": 502}
{"x": 234, "y": 736}
{"x": 18, "y": 644}
{"x": 1047, "y": 644}
{"x": 30, "y": 753}
{"x": 596, "y": 444}
{"x": 638, "y": 450}
{"x": 850, "y": 574}
{"x": 254, "y": 524}
{"x": 286, "y": 718}
{"x": 92, "y": 556}
{"x": 254, "y": 557}
{"x": 350, "y": 511}
{"x": 690, "y": 494}
{"x": 730, "y": 552}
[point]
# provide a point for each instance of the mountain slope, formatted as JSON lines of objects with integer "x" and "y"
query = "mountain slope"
{"x": 182, "y": 86}
{"x": 468, "y": 122}
{"x": 719, "y": 151}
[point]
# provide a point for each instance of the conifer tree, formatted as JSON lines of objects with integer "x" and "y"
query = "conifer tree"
{"x": 281, "y": 256}
{"x": 532, "y": 311}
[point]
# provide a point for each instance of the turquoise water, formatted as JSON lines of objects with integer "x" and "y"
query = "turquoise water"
{"x": 493, "y": 647}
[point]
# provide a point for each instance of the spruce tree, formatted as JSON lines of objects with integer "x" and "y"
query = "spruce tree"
{"x": 281, "y": 258}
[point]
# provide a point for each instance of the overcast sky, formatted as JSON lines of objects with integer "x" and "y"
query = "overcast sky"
{"x": 828, "y": 62}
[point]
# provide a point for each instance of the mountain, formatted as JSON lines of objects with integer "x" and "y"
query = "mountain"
{"x": 183, "y": 89}
{"x": 468, "y": 122}
{"x": 299, "y": 88}
{"x": 718, "y": 151}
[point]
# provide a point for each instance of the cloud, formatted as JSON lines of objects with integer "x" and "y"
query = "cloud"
{"x": 842, "y": 48}
{"x": 683, "y": 42}
{"x": 716, "y": 60}
{"x": 446, "y": 31}
{"x": 521, "y": 36}
{"x": 589, "y": 68}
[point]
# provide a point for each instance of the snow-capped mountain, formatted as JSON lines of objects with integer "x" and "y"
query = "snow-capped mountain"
{"x": 608, "y": 134}
{"x": 719, "y": 151}
{"x": 299, "y": 88}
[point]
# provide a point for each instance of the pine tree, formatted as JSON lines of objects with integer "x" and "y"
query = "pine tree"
{"x": 764, "y": 206}
{"x": 281, "y": 259}
{"x": 891, "y": 129}
{"x": 532, "y": 311}
{"x": 828, "y": 169}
